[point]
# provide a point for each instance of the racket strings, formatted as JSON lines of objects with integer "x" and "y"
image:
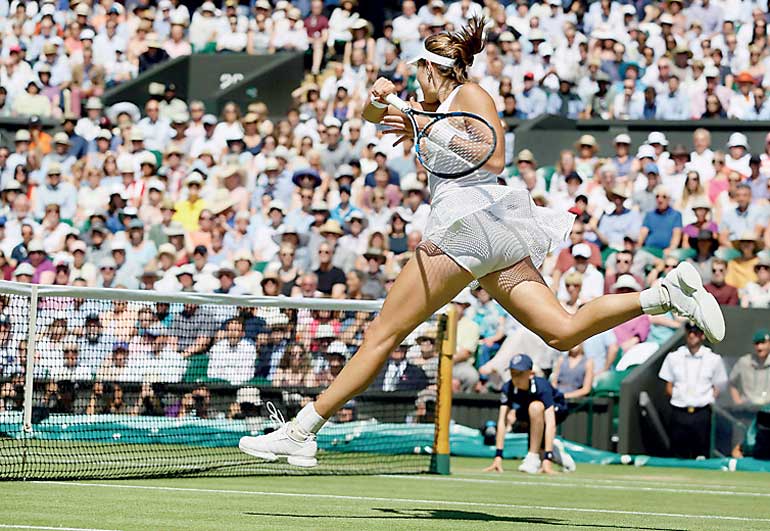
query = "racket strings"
{"x": 456, "y": 145}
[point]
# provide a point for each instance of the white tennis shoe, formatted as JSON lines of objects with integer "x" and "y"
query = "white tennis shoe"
{"x": 287, "y": 441}
{"x": 562, "y": 457}
{"x": 531, "y": 464}
{"x": 690, "y": 299}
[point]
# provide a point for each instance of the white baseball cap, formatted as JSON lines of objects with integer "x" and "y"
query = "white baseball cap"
{"x": 581, "y": 250}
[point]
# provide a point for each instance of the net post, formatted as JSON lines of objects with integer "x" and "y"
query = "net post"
{"x": 30, "y": 366}
{"x": 441, "y": 449}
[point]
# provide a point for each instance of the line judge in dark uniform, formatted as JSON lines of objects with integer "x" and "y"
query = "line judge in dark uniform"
{"x": 537, "y": 409}
{"x": 694, "y": 376}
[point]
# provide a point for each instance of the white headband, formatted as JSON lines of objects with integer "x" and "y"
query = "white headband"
{"x": 433, "y": 57}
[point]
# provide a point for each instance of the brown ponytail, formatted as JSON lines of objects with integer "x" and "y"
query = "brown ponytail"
{"x": 461, "y": 46}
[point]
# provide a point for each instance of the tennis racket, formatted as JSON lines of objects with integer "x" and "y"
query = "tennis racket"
{"x": 451, "y": 144}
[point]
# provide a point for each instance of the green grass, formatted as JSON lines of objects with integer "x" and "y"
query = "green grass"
{"x": 595, "y": 497}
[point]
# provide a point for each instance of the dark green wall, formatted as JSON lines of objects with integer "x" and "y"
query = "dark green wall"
{"x": 219, "y": 78}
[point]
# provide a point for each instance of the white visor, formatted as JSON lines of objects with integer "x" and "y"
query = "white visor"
{"x": 432, "y": 57}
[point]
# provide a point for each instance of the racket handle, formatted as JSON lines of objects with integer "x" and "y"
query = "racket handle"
{"x": 397, "y": 102}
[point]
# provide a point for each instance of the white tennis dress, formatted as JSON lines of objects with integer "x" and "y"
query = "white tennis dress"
{"x": 484, "y": 226}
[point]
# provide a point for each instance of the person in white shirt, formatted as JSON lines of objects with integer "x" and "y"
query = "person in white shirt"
{"x": 72, "y": 369}
{"x": 160, "y": 360}
{"x": 593, "y": 280}
{"x": 694, "y": 376}
{"x": 406, "y": 29}
{"x": 232, "y": 357}
{"x": 230, "y": 39}
{"x": 290, "y": 33}
{"x": 702, "y": 156}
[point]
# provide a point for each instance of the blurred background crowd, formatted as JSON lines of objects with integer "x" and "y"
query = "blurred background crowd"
{"x": 312, "y": 201}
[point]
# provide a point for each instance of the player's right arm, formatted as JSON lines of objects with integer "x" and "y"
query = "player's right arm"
{"x": 497, "y": 464}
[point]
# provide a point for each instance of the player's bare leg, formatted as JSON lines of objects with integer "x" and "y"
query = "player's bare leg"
{"x": 428, "y": 281}
{"x": 516, "y": 287}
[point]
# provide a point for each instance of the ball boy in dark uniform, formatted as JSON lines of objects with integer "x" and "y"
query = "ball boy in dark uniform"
{"x": 537, "y": 408}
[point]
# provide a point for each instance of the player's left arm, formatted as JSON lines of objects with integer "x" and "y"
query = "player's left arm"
{"x": 472, "y": 98}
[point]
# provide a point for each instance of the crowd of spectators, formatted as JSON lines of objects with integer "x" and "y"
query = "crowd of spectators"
{"x": 319, "y": 203}
{"x": 672, "y": 60}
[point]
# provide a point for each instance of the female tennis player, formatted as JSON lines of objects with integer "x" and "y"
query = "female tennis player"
{"x": 477, "y": 230}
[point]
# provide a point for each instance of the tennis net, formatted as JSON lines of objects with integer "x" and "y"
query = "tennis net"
{"x": 98, "y": 383}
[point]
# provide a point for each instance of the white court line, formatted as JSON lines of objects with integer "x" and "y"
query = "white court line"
{"x": 411, "y": 500}
{"x": 9, "y": 526}
{"x": 662, "y": 479}
{"x": 566, "y": 484}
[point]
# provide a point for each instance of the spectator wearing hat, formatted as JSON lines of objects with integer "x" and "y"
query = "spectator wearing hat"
{"x": 533, "y": 405}
{"x": 693, "y": 192}
{"x": 694, "y": 376}
{"x": 188, "y": 210}
{"x": 742, "y": 100}
{"x": 612, "y": 227}
{"x": 533, "y": 100}
{"x": 142, "y": 250}
{"x": 238, "y": 239}
{"x": 740, "y": 270}
{"x": 622, "y": 159}
{"x": 344, "y": 208}
{"x": 226, "y": 277}
{"x": 374, "y": 278}
{"x": 750, "y": 376}
{"x": 38, "y": 259}
{"x": 738, "y": 156}
{"x": 271, "y": 284}
{"x": 56, "y": 192}
{"x": 756, "y": 294}
{"x": 724, "y": 293}
{"x": 247, "y": 279}
{"x": 354, "y": 242}
{"x": 593, "y": 282}
{"x": 24, "y": 273}
{"x": 90, "y": 125}
{"x": 566, "y": 260}
{"x": 31, "y": 102}
{"x": 154, "y": 54}
{"x": 158, "y": 231}
{"x": 155, "y": 129}
{"x": 126, "y": 271}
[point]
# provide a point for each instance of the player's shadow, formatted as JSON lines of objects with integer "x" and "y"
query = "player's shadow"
{"x": 450, "y": 514}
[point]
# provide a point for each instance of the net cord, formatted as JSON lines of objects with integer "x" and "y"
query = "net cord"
{"x": 112, "y": 294}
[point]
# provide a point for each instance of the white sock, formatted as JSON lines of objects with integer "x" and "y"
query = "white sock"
{"x": 655, "y": 300}
{"x": 308, "y": 420}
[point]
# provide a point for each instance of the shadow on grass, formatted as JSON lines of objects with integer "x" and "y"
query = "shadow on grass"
{"x": 467, "y": 516}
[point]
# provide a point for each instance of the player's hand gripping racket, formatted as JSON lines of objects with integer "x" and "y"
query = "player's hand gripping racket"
{"x": 451, "y": 144}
